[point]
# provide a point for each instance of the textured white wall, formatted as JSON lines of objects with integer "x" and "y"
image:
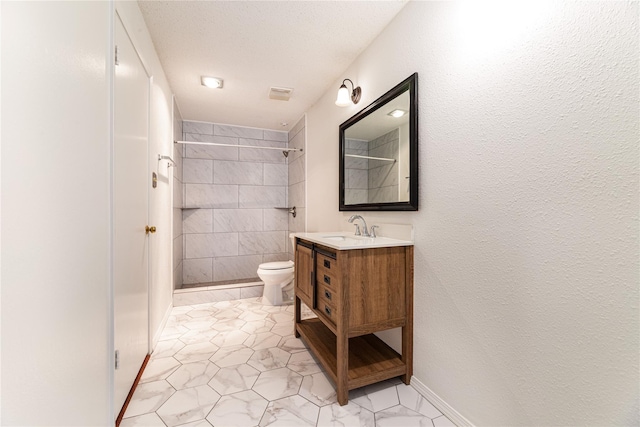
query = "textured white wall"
{"x": 526, "y": 278}
{"x": 160, "y": 142}
{"x": 55, "y": 214}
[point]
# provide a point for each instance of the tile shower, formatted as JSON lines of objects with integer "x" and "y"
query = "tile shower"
{"x": 296, "y": 190}
{"x": 177, "y": 200}
{"x": 230, "y": 223}
{"x": 374, "y": 180}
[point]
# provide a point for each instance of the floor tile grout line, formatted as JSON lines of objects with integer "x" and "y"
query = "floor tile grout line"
{"x": 248, "y": 305}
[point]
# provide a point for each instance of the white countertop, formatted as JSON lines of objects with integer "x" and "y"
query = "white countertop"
{"x": 341, "y": 240}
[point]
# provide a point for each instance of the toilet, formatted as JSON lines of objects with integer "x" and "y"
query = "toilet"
{"x": 277, "y": 277}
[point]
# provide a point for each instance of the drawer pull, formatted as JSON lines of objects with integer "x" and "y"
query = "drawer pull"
{"x": 327, "y": 279}
{"x": 327, "y": 310}
{"x": 327, "y": 264}
{"x": 327, "y": 295}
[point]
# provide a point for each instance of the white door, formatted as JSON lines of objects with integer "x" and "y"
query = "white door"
{"x": 130, "y": 199}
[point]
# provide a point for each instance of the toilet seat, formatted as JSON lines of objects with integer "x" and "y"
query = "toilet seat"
{"x": 278, "y": 265}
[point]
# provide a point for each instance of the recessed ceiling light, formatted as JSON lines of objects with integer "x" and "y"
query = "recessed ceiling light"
{"x": 212, "y": 82}
{"x": 397, "y": 113}
{"x": 284, "y": 124}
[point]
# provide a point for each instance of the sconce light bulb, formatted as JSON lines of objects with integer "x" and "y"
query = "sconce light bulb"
{"x": 344, "y": 98}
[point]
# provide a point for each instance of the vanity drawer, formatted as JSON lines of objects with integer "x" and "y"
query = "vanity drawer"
{"x": 327, "y": 312}
{"x": 327, "y": 263}
{"x": 327, "y": 278}
{"x": 328, "y": 295}
{"x": 327, "y": 298}
{"x": 327, "y": 271}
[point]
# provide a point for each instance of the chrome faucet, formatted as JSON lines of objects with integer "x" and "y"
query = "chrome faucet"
{"x": 365, "y": 231}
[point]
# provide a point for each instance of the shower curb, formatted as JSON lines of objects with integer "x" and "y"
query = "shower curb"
{"x": 208, "y": 294}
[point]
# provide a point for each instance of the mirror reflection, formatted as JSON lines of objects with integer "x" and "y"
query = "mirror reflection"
{"x": 376, "y": 164}
{"x": 379, "y": 153}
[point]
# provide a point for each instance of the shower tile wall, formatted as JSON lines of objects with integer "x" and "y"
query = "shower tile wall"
{"x": 297, "y": 176}
{"x": 356, "y": 172}
{"x": 383, "y": 175}
{"x": 177, "y": 200}
{"x": 233, "y": 226}
{"x": 369, "y": 180}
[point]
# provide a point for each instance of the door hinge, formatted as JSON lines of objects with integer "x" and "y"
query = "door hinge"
{"x": 117, "y": 359}
{"x": 116, "y": 56}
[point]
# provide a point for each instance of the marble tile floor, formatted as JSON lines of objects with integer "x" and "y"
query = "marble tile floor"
{"x": 237, "y": 363}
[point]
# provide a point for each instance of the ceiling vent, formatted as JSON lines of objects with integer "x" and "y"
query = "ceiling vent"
{"x": 280, "y": 93}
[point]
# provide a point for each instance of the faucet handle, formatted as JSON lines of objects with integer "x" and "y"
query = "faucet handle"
{"x": 372, "y": 231}
{"x": 357, "y": 233}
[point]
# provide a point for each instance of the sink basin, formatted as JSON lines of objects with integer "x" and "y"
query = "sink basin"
{"x": 347, "y": 238}
{"x": 345, "y": 241}
{"x": 338, "y": 238}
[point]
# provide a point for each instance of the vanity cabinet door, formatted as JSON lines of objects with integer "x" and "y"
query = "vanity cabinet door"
{"x": 304, "y": 274}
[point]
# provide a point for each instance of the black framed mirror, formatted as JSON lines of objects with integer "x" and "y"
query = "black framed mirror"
{"x": 379, "y": 153}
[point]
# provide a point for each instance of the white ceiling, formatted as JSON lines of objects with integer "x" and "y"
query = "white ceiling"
{"x": 254, "y": 45}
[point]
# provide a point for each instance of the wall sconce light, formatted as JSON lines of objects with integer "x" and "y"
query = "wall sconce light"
{"x": 212, "y": 82}
{"x": 343, "y": 94}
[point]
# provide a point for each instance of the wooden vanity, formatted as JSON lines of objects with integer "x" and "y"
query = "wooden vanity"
{"x": 354, "y": 293}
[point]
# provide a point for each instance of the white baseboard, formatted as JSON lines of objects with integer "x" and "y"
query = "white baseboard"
{"x": 440, "y": 404}
{"x": 163, "y": 323}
